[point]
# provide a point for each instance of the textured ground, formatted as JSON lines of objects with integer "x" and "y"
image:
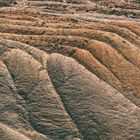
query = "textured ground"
{"x": 70, "y": 70}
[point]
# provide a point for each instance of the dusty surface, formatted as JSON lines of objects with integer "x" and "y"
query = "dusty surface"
{"x": 69, "y": 70}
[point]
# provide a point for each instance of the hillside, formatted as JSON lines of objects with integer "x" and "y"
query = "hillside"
{"x": 69, "y": 70}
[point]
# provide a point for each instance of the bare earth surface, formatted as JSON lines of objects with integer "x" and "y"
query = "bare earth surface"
{"x": 69, "y": 70}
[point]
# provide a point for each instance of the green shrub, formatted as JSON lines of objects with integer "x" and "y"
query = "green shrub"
{"x": 7, "y": 3}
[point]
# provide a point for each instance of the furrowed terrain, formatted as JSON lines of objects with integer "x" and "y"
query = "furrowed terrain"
{"x": 69, "y": 70}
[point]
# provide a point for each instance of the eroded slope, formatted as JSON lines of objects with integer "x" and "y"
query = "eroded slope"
{"x": 69, "y": 70}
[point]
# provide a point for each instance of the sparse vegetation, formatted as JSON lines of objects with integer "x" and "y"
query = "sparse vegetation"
{"x": 7, "y": 3}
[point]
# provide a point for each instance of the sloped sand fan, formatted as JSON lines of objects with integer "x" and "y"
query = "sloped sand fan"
{"x": 69, "y": 70}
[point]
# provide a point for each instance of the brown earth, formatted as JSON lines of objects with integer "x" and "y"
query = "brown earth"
{"x": 69, "y": 70}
